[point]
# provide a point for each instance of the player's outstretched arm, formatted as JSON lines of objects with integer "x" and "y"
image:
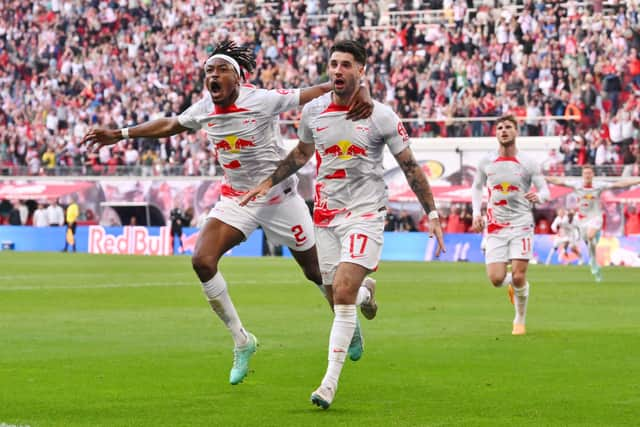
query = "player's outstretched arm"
{"x": 625, "y": 183}
{"x": 297, "y": 158}
{"x": 360, "y": 106}
{"x": 420, "y": 185}
{"x": 160, "y": 128}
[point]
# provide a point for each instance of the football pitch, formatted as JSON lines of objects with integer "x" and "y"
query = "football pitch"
{"x": 91, "y": 340}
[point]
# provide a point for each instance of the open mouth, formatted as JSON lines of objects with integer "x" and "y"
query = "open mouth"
{"x": 339, "y": 83}
{"x": 215, "y": 88}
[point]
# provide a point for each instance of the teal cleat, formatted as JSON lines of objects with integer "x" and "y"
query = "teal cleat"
{"x": 597, "y": 274}
{"x": 356, "y": 347}
{"x": 241, "y": 356}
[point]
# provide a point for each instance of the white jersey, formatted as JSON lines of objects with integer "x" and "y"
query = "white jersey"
{"x": 588, "y": 200}
{"x": 508, "y": 180}
{"x": 245, "y": 135}
{"x": 566, "y": 229}
{"x": 350, "y": 183}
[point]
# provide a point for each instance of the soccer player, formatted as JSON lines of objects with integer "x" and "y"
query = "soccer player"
{"x": 589, "y": 214}
{"x": 242, "y": 122}
{"x": 509, "y": 175}
{"x": 567, "y": 234}
{"x": 350, "y": 195}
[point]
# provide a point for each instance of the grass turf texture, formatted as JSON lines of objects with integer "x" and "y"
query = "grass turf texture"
{"x": 130, "y": 341}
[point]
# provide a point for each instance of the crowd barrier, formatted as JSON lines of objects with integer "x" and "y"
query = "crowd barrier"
{"x": 397, "y": 246}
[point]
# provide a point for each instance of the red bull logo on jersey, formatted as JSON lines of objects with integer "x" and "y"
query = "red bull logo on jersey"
{"x": 233, "y": 144}
{"x": 505, "y": 187}
{"x": 345, "y": 150}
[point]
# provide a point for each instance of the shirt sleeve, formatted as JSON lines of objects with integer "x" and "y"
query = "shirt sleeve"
{"x": 541, "y": 184}
{"x": 391, "y": 130}
{"x": 277, "y": 101}
{"x": 479, "y": 181}
{"x": 305, "y": 134}
{"x": 189, "y": 117}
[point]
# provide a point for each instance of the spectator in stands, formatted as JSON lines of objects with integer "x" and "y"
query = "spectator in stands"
{"x": 55, "y": 214}
{"x": 540, "y": 58}
{"x": 23, "y": 210}
{"x": 632, "y": 220}
{"x": 391, "y": 221}
{"x": 14, "y": 216}
{"x": 40, "y": 218}
{"x": 406, "y": 222}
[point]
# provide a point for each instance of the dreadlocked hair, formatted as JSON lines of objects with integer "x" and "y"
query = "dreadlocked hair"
{"x": 243, "y": 55}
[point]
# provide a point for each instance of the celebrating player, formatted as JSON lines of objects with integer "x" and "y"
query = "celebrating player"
{"x": 350, "y": 194}
{"x": 589, "y": 212}
{"x": 509, "y": 175}
{"x": 567, "y": 235}
{"x": 242, "y": 123}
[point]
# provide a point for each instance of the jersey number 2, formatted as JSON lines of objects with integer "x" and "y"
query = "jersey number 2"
{"x": 298, "y": 234}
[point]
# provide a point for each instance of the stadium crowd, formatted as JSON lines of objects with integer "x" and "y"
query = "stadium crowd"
{"x": 68, "y": 65}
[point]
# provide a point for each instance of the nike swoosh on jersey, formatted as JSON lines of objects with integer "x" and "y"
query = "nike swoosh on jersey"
{"x": 320, "y": 129}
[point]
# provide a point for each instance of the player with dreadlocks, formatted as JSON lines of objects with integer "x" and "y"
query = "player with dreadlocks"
{"x": 242, "y": 123}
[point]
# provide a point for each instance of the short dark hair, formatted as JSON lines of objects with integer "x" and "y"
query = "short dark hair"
{"x": 243, "y": 55}
{"x": 587, "y": 166}
{"x": 507, "y": 118}
{"x": 353, "y": 47}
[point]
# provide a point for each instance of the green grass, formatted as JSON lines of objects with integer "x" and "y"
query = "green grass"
{"x": 129, "y": 341}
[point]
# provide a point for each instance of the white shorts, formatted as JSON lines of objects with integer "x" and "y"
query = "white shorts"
{"x": 560, "y": 240}
{"x": 358, "y": 243}
{"x": 509, "y": 244}
{"x": 589, "y": 224}
{"x": 287, "y": 223}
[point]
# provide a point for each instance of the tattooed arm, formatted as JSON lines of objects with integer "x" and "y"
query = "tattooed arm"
{"x": 420, "y": 185}
{"x": 416, "y": 178}
{"x": 297, "y": 158}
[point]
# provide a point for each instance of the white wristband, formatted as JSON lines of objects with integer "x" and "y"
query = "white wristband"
{"x": 125, "y": 133}
{"x": 434, "y": 214}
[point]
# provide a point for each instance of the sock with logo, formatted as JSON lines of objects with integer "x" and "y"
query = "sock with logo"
{"x": 344, "y": 323}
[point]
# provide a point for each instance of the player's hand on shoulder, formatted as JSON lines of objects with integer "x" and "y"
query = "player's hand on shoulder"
{"x": 97, "y": 138}
{"x": 258, "y": 191}
{"x": 532, "y": 196}
{"x": 478, "y": 224}
{"x": 361, "y": 105}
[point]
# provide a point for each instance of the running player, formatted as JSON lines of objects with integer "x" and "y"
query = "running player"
{"x": 350, "y": 195}
{"x": 589, "y": 213}
{"x": 567, "y": 235}
{"x": 242, "y": 122}
{"x": 509, "y": 175}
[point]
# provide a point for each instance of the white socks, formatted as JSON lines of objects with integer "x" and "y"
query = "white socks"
{"x": 507, "y": 281}
{"x": 344, "y": 323}
{"x": 216, "y": 293}
{"x": 521, "y": 296}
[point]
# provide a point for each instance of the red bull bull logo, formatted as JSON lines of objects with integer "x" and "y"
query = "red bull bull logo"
{"x": 505, "y": 187}
{"x": 233, "y": 144}
{"x": 345, "y": 150}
